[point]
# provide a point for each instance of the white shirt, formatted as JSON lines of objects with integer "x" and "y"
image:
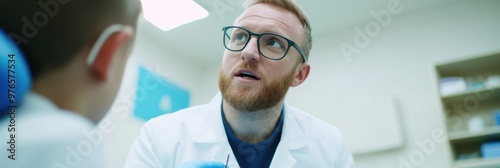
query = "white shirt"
{"x": 197, "y": 134}
{"x": 49, "y": 137}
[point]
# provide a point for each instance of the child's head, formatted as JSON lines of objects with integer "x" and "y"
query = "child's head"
{"x": 76, "y": 49}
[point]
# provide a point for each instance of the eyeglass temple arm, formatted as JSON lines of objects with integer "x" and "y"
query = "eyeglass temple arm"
{"x": 301, "y": 52}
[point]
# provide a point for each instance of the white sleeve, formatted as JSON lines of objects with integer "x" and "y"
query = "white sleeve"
{"x": 143, "y": 152}
{"x": 345, "y": 159}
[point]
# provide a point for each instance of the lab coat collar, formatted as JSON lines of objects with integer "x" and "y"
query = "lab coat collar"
{"x": 211, "y": 120}
{"x": 213, "y": 132}
{"x": 292, "y": 137}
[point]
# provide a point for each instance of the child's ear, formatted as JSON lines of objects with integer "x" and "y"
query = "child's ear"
{"x": 111, "y": 41}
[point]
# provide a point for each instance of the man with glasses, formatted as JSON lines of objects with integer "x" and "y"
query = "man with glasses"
{"x": 266, "y": 53}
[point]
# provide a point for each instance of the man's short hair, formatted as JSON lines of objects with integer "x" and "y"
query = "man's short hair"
{"x": 293, "y": 7}
{"x": 51, "y": 32}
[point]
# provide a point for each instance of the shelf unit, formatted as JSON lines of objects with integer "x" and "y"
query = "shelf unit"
{"x": 466, "y": 135}
{"x": 493, "y": 163}
{"x": 459, "y": 108}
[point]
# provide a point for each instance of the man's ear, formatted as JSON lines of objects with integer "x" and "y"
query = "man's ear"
{"x": 106, "y": 48}
{"x": 302, "y": 73}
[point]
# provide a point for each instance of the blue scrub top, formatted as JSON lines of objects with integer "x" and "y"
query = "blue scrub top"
{"x": 254, "y": 155}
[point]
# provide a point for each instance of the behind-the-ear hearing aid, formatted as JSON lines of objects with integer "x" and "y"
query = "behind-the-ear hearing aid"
{"x": 99, "y": 58}
{"x": 125, "y": 34}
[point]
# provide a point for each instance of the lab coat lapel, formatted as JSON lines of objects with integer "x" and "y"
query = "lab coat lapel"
{"x": 214, "y": 133}
{"x": 209, "y": 127}
{"x": 292, "y": 139}
{"x": 283, "y": 158}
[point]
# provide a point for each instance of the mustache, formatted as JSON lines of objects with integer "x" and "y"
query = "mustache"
{"x": 250, "y": 66}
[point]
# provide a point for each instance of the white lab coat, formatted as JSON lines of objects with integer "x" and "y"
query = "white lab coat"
{"x": 49, "y": 137}
{"x": 197, "y": 134}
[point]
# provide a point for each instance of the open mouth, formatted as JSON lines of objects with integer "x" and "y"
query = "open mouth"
{"x": 247, "y": 75}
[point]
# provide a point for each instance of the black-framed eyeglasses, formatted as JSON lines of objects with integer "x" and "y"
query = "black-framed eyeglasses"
{"x": 272, "y": 46}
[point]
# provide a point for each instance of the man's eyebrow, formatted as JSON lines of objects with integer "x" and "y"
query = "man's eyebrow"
{"x": 267, "y": 31}
{"x": 275, "y": 32}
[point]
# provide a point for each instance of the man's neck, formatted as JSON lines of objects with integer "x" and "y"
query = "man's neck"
{"x": 254, "y": 126}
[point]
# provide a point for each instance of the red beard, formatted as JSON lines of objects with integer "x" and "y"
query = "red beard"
{"x": 246, "y": 98}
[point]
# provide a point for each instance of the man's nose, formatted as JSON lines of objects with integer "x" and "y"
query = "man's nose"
{"x": 251, "y": 51}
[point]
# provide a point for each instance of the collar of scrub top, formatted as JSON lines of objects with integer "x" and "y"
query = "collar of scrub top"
{"x": 94, "y": 52}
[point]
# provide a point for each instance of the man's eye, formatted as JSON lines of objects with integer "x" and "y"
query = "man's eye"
{"x": 275, "y": 43}
{"x": 241, "y": 37}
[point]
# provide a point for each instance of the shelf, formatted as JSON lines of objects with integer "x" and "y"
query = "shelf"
{"x": 471, "y": 66}
{"x": 466, "y": 135}
{"x": 458, "y": 108}
{"x": 462, "y": 95}
{"x": 478, "y": 163}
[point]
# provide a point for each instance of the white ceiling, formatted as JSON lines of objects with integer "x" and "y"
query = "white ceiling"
{"x": 201, "y": 41}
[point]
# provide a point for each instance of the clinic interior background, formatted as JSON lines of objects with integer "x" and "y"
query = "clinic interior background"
{"x": 383, "y": 96}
